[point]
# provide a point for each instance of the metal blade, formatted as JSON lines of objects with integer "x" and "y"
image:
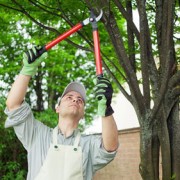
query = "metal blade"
{"x": 100, "y": 15}
{"x": 87, "y": 21}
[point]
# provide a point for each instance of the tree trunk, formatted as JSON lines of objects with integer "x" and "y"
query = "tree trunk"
{"x": 149, "y": 149}
{"x": 39, "y": 92}
{"x": 156, "y": 152}
{"x": 165, "y": 144}
{"x": 145, "y": 167}
{"x": 174, "y": 129}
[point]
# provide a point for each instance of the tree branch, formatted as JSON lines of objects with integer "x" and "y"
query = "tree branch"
{"x": 176, "y": 92}
{"x": 162, "y": 90}
{"x": 131, "y": 40}
{"x": 22, "y": 10}
{"x": 67, "y": 20}
{"x": 117, "y": 83}
{"x": 117, "y": 69}
{"x": 144, "y": 52}
{"x": 128, "y": 19}
{"x": 31, "y": 18}
{"x": 9, "y": 7}
{"x": 174, "y": 80}
{"x": 115, "y": 36}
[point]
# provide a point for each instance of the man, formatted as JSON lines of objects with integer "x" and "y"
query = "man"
{"x": 61, "y": 153}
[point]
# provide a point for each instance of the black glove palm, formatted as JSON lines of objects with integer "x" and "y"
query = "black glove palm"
{"x": 31, "y": 60}
{"x": 35, "y": 53}
{"x": 104, "y": 93}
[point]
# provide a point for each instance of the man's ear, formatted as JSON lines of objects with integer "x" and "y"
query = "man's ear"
{"x": 82, "y": 116}
{"x": 57, "y": 108}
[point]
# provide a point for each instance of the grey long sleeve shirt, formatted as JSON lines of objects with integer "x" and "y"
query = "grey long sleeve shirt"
{"x": 37, "y": 137}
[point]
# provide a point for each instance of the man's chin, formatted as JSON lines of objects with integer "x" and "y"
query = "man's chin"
{"x": 75, "y": 113}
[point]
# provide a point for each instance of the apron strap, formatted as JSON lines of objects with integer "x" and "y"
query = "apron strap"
{"x": 55, "y": 133}
{"x": 77, "y": 139}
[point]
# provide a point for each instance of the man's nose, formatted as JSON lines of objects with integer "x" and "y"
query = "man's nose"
{"x": 75, "y": 100}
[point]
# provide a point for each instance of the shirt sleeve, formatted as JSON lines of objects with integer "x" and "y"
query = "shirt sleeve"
{"x": 24, "y": 124}
{"x": 100, "y": 157}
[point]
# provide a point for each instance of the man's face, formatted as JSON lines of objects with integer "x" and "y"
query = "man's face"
{"x": 72, "y": 105}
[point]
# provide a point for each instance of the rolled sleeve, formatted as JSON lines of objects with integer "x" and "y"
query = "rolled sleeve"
{"x": 24, "y": 124}
{"x": 101, "y": 157}
{"x": 17, "y": 116}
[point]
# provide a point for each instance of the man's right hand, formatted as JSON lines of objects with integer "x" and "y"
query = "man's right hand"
{"x": 32, "y": 59}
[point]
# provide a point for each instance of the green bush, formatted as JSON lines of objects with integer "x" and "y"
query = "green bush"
{"x": 13, "y": 159}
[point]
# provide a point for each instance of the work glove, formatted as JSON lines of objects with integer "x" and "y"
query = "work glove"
{"x": 32, "y": 59}
{"x": 103, "y": 93}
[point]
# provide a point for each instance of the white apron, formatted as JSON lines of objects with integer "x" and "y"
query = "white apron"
{"x": 63, "y": 162}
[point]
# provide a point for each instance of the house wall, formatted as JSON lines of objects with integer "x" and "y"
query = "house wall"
{"x": 125, "y": 166}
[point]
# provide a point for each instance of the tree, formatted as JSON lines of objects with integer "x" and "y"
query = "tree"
{"x": 159, "y": 121}
{"x": 127, "y": 51}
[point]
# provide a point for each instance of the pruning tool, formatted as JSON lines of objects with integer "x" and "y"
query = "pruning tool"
{"x": 93, "y": 20}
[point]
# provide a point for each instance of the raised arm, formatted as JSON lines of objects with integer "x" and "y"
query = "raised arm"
{"x": 104, "y": 93}
{"x": 109, "y": 133}
{"x": 17, "y": 92}
{"x": 19, "y": 88}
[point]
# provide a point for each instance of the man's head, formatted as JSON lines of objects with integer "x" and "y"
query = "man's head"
{"x": 77, "y": 87}
{"x": 72, "y": 101}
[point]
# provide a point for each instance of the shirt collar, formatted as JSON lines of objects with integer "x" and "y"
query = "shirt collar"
{"x": 74, "y": 133}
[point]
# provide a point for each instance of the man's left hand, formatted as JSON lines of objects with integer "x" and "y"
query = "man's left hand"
{"x": 103, "y": 94}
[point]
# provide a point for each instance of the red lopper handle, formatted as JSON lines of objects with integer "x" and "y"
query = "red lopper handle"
{"x": 63, "y": 36}
{"x": 98, "y": 60}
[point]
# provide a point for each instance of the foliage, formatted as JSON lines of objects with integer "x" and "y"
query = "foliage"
{"x": 173, "y": 177}
{"x": 13, "y": 160}
{"x": 64, "y": 61}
